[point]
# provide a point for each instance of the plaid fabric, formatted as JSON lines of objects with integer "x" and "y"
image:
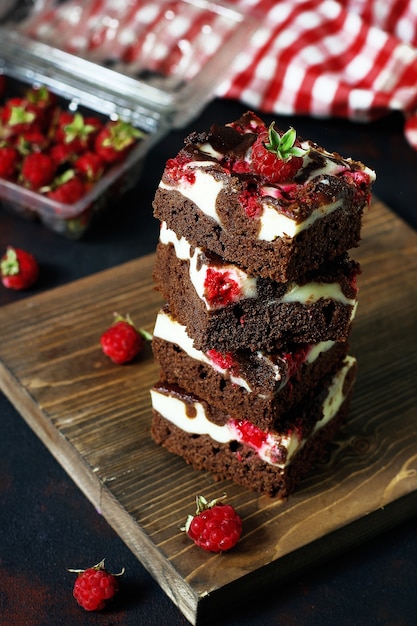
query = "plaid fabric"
{"x": 348, "y": 58}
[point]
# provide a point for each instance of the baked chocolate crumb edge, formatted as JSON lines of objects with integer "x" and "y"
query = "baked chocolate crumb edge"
{"x": 239, "y": 463}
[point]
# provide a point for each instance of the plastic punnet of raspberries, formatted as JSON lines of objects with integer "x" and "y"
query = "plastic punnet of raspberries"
{"x": 122, "y": 341}
{"x": 215, "y": 527}
{"x": 94, "y": 586}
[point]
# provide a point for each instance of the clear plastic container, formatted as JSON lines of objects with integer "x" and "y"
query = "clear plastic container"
{"x": 72, "y": 220}
{"x": 153, "y": 64}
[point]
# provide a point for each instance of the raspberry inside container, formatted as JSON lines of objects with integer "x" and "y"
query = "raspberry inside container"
{"x": 154, "y": 65}
{"x": 31, "y": 191}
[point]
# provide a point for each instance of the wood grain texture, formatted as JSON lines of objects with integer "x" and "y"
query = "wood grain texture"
{"x": 95, "y": 419}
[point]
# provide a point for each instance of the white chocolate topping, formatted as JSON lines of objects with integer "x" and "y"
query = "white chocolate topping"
{"x": 203, "y": 192}
{"x": 274, "y": 224}
{"x": 205, "y": 188}
{"x": 311, "y": 292}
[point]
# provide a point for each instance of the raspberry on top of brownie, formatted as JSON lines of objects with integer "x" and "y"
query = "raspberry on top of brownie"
{"x": 272, "y": 215}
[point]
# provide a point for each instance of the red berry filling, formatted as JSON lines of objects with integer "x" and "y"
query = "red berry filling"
{"x": 176, "y": 169}
{"x": 224, "y": 361}
{"x": 220, "y": 289}
{"x": 254, "y": 437}
{"x": 249, "y": 198}
{"x": 295, "y": 360}
{"x": 241, "y": 167}
{"x": 359, "y": 177}
{"x": 360, "y": 180}
{"x": 250, "y": 434}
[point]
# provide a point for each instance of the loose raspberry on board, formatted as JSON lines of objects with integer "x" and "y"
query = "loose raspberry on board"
{"x": 122, "y": 341}
{"x": 215, "y": 527}
{"x": 94, "y": 586}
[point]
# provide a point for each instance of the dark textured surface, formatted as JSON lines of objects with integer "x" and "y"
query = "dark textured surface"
{"x": 46, "y": 523}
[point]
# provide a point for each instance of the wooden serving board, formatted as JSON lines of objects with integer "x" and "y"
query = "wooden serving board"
{"x": 95, "y": 418}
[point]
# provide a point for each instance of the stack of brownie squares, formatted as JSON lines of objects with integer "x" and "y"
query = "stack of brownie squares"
{"x": 252, "y": 344}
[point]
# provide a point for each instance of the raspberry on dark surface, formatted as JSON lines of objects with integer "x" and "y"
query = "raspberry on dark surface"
{"x": 95, "y": 586}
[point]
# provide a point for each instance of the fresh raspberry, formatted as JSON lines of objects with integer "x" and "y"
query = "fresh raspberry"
{"x": 41, "y": 97}
{"x": 38, "y": 170}
{"x": 19, "y": 269}
{"x": 115, "y": 140}
{"x": 9, "y": 160}
{"x": 77, "y": 131}
{"x": 60, "y": 121}
{"x": 220, "y": 288}
{"x": 90, "y": 165}
{"x": 68, "y": 188}
{"x": 122, "y": 342}
{"x": 18, "y": 115}
{"x": 62, "y": 153}
{"x": 33, "y": 139}
{"x": 277, "y": 157}
{"x": 215, "y": 527}
{"x": 94, "y": 586}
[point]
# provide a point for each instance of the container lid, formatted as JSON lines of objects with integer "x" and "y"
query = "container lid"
{"x": 154, "y": 63}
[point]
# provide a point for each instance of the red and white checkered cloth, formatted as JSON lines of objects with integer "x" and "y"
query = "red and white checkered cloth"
{"x": 349, "y": 58}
